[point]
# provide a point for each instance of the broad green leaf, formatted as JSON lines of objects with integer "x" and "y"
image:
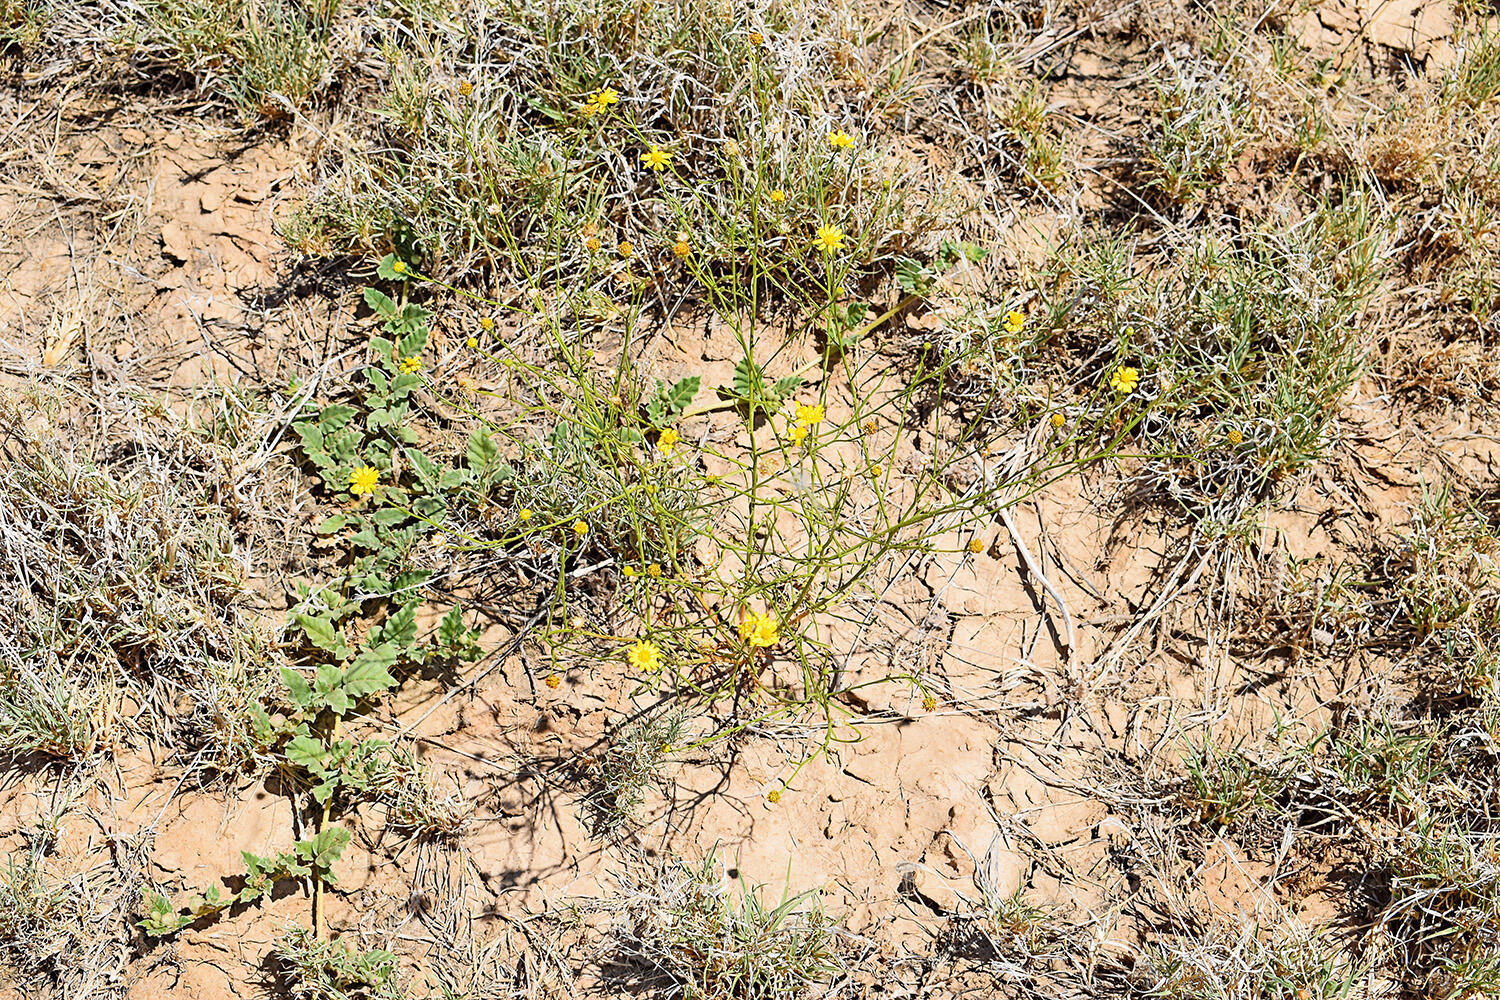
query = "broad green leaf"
{"x": 482, "y": 449}
{"x": 335, "y": 416}
{"x": 331, "y": 524}
{"x": 307, "y": 752}
{"x": 370, "y": 671}
{"x": 380, "y": 302}
{"x": 400, "y": 628}
{"x": 682, "y": 393}
{"x": 320, "y": 631}
{"x": 301, "y": 691}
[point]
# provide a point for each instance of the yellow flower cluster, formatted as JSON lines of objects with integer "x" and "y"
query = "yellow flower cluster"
{"x": 363, "y": 480}
{"x": 600, "y": 102}
{"x": 760, "y": 629}
{"x": 1124, "y": 379}
{"x": 667, "y": 440}
{"x": 829, "y": 239}
{"x": 644, "y": 656}
{"x": 657, "y": 159}
{"x": 840, "y": 139}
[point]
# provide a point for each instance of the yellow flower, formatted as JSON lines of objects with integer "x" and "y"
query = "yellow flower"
{"x": 629, "y": 571}
{"x": 399, "y": 267}
{"x": 773, "y": 796}
{"x": 809, "y": 414}
{"x": 799, "y": 433}
{"x": 525, "y": 514}
{"x": 472, "y": 342}
{"x": 757, "y": 39}
{"x": 487, "y": 324}
{"x": 976, "y": 546}
{"x": 668, "y": 439}
{"x": 1235, "y": 437}
{"x": 875, "y": 471}
{"x": 552, "y": 681}
{"x": 410, "y": 365}
{"x": 778, "y": 196}
{"x": 829, "y": 238}
{"x": 929, "y": 704}
{"x": 589, "y": 108}
{"x": 1058, "y": 420}
{"x": 1014, "y": 320}
{"x": 840, "y": 139}
{"x": 465, "y": 89}
{"x": 363, "y": 480}
{"x": 759, "y": 629}
{"x": 580, "y": 528}
{"x": 654, "y": 570}
{"x": 656, "y": 159}
{"x": 625, "y": 248}
{"x": 682, "y": 248}
{"x": 1124, "y": 379}
{"x": 606, "y": 97}
{"x": 644, "y": 656}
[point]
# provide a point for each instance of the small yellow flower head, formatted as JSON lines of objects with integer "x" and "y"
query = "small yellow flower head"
{"x": 552, "y": 681}
{"x": 654, "y": 571}
{"x": 810, "y": 414}
{"x": 465, "y": 89}
{"x": 829, "y": 239}
{"x": 1014, "y": 320}
{"x": 363, "y": 480}
{"x": 589, "y": 109}
{"x": 773, "y": 796}
{"x": 1058, "y": 420}
{"x": 601, "y": 101}
{"x": 870, "y": 426}
{"x": 487, "y": 324}
{"x": 472, "y": 342}
{"x": 682, "y": 249}
{"x": 976, "y": 546}
{"x": 778, "y": 196}
{"x": 1124, "y": 379}
{"x": 410, "y": 365}
{"x": 580, "y": 528}
{"x": 757, "y": 39}
{"x": 625, "y": 248}
{"x": 929, "y": 704}
{"x": 644, "y": 656}
{"x": 399, "y": 267}
{"x": 668, "y": 439}
{"x": 592, "y": 244}
{"x": 657, "y": 159}
{"x": 840, "y": 139}
{"x": 524, "y": 513}
{"x": 876, "y": 470}
{"x": 1235, "y": 437}
{"x": 629, "y": 571}
{"x": 759, "y": 629}
{"x": 799, "y": 433}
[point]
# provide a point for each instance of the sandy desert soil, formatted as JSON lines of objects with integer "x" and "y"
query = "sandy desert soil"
{"x": 1263, "y": 768}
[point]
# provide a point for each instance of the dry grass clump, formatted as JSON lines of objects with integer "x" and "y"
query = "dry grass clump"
{"x": 121, "y": 611}
{"x": 621, "y": 144}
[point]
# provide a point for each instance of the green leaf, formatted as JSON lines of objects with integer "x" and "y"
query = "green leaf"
{"x": 451, "y": 631}
{"x": 682, "y": 393}
{"x": 380, "y": 302}
{"x": 482, "y": 450}
{"x": 784, "y": 387}
{"x": 388, "y": 517}
{"x": 370, "y": 671}
{"x": 453, "y": 478}
{"x": 412, "y": 344}
{"x": 311, "y": 435}
{"x": 400, "y": 628}
{"x": 331, "y": 524}
{"x": 335, "y": 416}
{"x": 321, "y": 632}
{"x": 426, "y": 469}
{"x": 301, "y": 691}
{"x": 323, "y": 850}
{"x": 307, "y": 752}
